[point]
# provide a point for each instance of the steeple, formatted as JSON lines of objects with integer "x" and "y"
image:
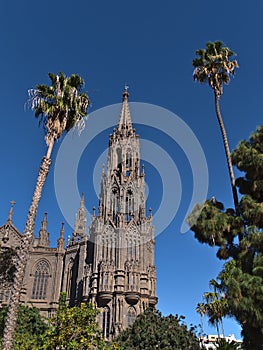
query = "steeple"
{"x": 125, "y": 124}
{"x": 43, "y": 235}
{"x": 81, "y": 220}
{"x": 115, "y": 264}
{"x": 122, "y": 188}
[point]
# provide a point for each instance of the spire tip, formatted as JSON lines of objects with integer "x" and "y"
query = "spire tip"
{"x": 125, "y": 93}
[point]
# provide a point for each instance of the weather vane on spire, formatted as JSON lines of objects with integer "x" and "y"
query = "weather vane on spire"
{"x": 125, "y": 93}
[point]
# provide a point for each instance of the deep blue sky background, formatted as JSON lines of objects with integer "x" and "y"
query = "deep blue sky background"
{"x": 149, "y": 45}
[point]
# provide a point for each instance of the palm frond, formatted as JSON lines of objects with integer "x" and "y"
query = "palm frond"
{"x": 60, "y": 106}
{"x": 214, "y": 65}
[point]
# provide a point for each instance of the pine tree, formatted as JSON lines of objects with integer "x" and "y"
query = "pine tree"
{"x": 241, "y": 279}
{"x": 151, "y": 330}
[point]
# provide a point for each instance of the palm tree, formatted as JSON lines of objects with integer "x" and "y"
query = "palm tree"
{"x": 214, "y": 66}
{"x": 211, "y": 309}
{"x": 60, "y": 107}
{"x": 201, "y": 309}
{"x": 220, "y": 303}
{"x": 216, "y": 306}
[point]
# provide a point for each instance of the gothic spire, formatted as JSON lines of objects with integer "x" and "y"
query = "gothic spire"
{"x": 62, "y": 231}
{"x": 122, "y": 196}
{"x": 80, "y": 223}
{"x": 82, "y": 201}
{"x": 61, "y": 240}
{"x": 43, "y": 235}
{"x": 125, "y": 124}
{"x": 10, "y": 214}
{"x": 44, "y": 222}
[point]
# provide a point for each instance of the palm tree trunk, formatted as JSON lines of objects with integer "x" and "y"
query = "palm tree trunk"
{"x": 50, "y": 147}
{"x": 228, "y": 155}
{"x": 217, "y": 329}
{"x": 222, "y": 327}
{"x": 21, "y": 262}
{"x": 202, "y": 326}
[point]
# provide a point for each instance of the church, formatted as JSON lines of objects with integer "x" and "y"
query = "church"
{"x": 111, "y": 262}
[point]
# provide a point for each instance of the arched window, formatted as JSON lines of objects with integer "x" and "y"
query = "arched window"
{"x": 103, "y": 247}
{"x": 129, "y": 204}
{"x": 131, "y": 316}
{"x": 119, "y": 161}
{"x": 106, "y": 280}
{"x": 129, "y": 243}
{"x": 69, "y": 278}
{"x": 106, "y": 322}
{"x": 115, "y": 206}
{"x": 41, "y": 274}
{"x": 128, "y": 159}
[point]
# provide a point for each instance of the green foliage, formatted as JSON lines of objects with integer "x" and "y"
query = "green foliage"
{"x": 151, "y": 330}
{"x": 224, "y": 345}
{"x": 216, "y": 227}
{"x": 244, "y": 292}
{"x": 7, "y": 265}
{"x": 60, "y": 106}
{"x": 248, "y": 157}
{"x": 74, "y": 328}
{"x": 30, "y": 327}
{"x": 241, "y": 280}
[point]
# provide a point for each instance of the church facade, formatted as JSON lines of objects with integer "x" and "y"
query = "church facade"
{"x": 111, "y": 266}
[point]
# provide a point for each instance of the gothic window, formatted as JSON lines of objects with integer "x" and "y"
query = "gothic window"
{"x": 119, "y": 159}
{"x": 131, "y": 280}
{"x": 107, "y": 249}
{"x": 115, "y": 206}
{"x": 106, "y": 280}
{"x": 41, "y": 275}
{"x": 129, "y": 204}
{"x": 111, "y": 248}
{"x": 129, "y": 248}
{"x": 103, "y": 248}
{"x": 69, "y": 278}
{"x": 128, "y": 159}
{"x": 131, "y": 316}
{"x": 106, "y": 322}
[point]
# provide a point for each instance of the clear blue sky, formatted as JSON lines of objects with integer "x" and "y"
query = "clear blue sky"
{"x": 150, "y": 46}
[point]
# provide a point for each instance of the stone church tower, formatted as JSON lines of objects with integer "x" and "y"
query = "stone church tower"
{"x": 114, "y": 266}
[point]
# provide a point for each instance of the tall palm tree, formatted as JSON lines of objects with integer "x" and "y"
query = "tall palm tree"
{"x": 201, "y": 309}
{"x": 220, "y": 303}
{"x": 211, "y": 309}
{"x": 215, "y": 66}
{"x": 60, "y": 107}
{"x": 216, "y": 306}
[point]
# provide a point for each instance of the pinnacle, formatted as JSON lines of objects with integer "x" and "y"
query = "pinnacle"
{"x": 125, "y": 124}
{"x": 10, "y": 214}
